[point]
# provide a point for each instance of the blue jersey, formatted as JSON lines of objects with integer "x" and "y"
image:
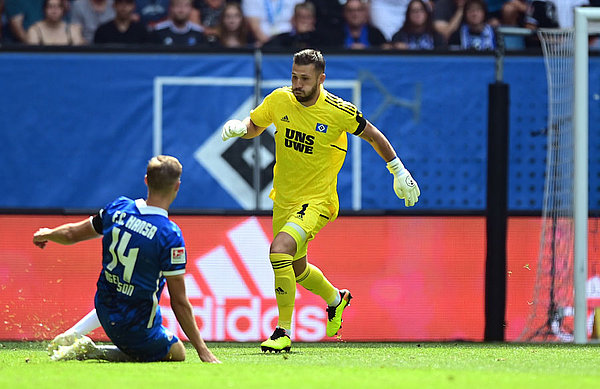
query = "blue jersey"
{"x": 139, "y": 248}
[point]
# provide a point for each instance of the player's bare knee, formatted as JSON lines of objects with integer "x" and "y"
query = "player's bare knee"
{"x": 283, "y": 244}
{"x": 176, "y": 353}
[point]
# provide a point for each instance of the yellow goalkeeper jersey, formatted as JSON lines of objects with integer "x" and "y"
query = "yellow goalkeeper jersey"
{"x": 310, "y": 145}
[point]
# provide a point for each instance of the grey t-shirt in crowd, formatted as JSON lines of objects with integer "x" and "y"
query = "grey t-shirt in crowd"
{"x": 84, "y": 14}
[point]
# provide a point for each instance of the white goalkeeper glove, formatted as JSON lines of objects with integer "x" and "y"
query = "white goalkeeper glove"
{"x": 404, "y": 185}
{"x": 232, "y": 129}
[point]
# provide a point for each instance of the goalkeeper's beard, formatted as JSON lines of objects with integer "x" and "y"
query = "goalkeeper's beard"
{"x": 307, "y": 97}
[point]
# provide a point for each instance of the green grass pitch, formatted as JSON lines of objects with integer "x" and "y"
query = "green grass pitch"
{"x": 320, "y": 365}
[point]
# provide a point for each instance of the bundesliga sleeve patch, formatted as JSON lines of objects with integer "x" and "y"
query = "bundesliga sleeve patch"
{"x": 177, "y": 255}
{"x": 321, "y": 128}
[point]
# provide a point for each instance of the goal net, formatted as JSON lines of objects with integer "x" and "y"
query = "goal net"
{"x": 553, "y": 293}
{"x": 564, "y": 295}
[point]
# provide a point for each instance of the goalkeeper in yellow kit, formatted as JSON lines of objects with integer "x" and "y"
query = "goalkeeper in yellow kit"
{"x": 310, "y": 149}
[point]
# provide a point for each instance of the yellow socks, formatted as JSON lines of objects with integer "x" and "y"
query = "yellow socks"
{"x": 285, "y": 288}
{"x": 313, "y": 280}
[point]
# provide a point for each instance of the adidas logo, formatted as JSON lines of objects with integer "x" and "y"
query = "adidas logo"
{"x": 285, "y": 119}
{"x": 279, "y": 290}
{"x": 231, "y": 290}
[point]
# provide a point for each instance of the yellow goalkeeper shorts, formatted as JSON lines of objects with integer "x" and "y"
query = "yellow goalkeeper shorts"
{"x": 302, "y": 222}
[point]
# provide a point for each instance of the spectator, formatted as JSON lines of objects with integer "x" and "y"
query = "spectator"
{"x": 358, "y": 33}
{"x": 330, "y": 18}
{"x": 53, "y": 30}
{"x": 388, "y": 15}
{"x": 122, "y": 29}
{"x": 540, "y": 14}
{"x": 232, "y": 30}
{"x": 207, "y": 13}
{"x": 67, "y": 12}
{"x": 417, "y": 32}
{"x": 178, "y": 30}
{"x": 21, "y": 14}
{"x": 513, "y": 13}
{"x": 447, "y": 18}
{"x": 475, "y": 33}
{"x": 494, "y": 11}
{"x": 151, "y": 12}
{"x": 552, "y": 14}
{"x": 303, "y": 34}
{"x": 90, "y": 14}
{"x": 2, "y": 20}
{"x": 268, "y": 18}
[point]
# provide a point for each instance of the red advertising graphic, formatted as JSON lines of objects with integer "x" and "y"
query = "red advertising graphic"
{"x": 412, "y": 278}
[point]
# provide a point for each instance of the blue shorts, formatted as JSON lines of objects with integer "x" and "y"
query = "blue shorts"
{"x": 143, "y": 345}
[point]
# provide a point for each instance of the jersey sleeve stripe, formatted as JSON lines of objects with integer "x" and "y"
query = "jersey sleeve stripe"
{"x": 173, "y": 272}
{"x": 340, "y": 108}
{"x": 347, "y": 104}
{"x": 341, "y": 103}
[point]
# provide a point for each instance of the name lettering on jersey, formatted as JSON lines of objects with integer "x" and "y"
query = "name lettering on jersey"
{"x": 299, "y": 141}
{"x": 119, "y": 218}
{"x": 122, "y": 287}
{"x": 142, "y": 227}
{"x": 177, "y": 255}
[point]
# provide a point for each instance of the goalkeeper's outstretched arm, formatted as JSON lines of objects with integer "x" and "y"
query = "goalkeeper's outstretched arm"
{"x": 405, "y": 186}
{"x": 379, "y": 142}
{"x": 253, "y": 129}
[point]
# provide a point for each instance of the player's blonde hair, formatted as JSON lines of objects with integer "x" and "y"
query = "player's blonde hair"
{"x": 163, "y": 172}
{"x": 310, "y": 56}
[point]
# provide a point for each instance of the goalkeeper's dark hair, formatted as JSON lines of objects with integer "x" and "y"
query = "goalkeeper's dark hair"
{"x": 310, "y": 56}
{"x": 163, "y": 172}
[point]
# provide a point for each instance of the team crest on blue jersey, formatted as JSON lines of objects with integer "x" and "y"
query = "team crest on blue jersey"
{"x": 321, "y": 128}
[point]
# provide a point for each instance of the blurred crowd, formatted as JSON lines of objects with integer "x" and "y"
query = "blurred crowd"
{"x": 284, "y": 24}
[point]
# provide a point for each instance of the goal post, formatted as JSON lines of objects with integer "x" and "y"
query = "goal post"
{"x": 586, "y": 21}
